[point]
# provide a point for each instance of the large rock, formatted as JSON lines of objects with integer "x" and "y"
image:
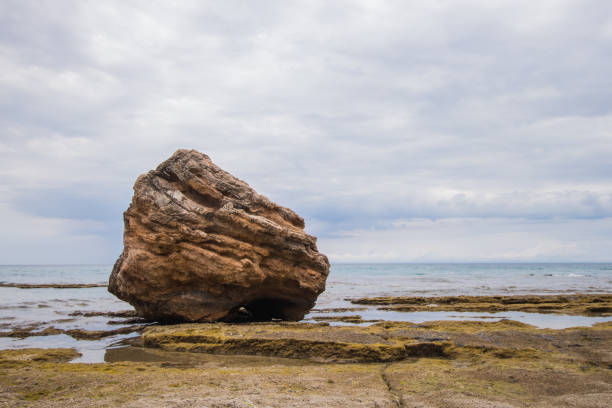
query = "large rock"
{"x": 201, "y": 245}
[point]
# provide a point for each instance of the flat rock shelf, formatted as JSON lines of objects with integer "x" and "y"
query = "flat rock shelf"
{"x": 389, "y": 364}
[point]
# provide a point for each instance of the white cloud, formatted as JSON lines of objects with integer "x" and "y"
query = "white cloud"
{"x": 475, "y": 239}
{"x": 30, "y": 239}
{"x": 356, "y": 114}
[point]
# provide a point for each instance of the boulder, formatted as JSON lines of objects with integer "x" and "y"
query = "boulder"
{"x": 201, "y": 245}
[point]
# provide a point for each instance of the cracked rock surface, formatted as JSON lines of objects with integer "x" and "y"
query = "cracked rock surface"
{"x": 201, "y": 245}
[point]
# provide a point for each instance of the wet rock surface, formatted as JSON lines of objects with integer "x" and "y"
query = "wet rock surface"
{"x": 382, "y": 342}
{"x": 316, "y": 342}
{"x": 77, "y": 334}
{"x": 339, "y": 309}
{"x": 353, "y": 319}
{"x": 574, "y": 304}
{"x": 484, "y": 364}
{"x": 201, "y": 245}
{"x": 90, "y": 313}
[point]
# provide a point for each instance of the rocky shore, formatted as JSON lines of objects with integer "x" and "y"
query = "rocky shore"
{"x": 574, "y": 304}
{"x": 279, "y": 364}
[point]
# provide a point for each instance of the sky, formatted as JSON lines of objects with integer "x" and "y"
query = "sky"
{"x": 402, "y": 131}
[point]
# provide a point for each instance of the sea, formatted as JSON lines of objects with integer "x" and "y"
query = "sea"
{"x": 45, "y": 307}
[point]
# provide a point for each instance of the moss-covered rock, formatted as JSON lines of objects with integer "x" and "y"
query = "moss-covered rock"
{"x": 583, "y": 305}
{"x": 38, "y": 355}
{"x": 483, "y": 364}
{"x": 318, "y": 342}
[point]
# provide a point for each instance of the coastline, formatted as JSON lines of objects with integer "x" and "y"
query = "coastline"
{"x": 457, "y": 341}
{"x": 474, "y": 364}
{"x": 447, "y": 363}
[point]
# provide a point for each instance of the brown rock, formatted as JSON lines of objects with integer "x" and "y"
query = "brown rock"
{"x": 201, "y": 245}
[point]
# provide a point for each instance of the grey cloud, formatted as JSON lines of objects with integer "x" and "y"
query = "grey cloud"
{"x": 476, "y": 239}
{"x": 82, "y": 203}
{"x": 356, "y": 114}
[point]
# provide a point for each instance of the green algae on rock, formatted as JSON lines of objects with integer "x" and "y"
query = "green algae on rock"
{"x": 354, "y": 319}
{"x": 38, "y": 355}
{"x": 482, "y": 364}
{"x": 236, "y": 382}
{"x": 78, "y": 334}
{"x": 574, "y": 304}
{"x": 380, "y": 342}
{"x": 317, "y": 342}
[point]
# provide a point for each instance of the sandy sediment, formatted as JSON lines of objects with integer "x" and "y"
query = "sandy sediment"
{"x": 582, "y": 305}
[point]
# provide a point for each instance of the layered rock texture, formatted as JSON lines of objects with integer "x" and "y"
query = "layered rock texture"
{"x": 201, "y": 245}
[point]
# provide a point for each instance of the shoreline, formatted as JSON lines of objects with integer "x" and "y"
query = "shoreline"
{"x": 337, "y": 358}
{"x": 575, "y": 310}
{"x": 387, "y": 364}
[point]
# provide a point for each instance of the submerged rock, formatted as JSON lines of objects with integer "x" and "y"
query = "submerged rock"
{"x": 201, "y": 245}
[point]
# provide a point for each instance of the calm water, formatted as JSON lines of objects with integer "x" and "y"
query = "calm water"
{"x": 52, "y": 307}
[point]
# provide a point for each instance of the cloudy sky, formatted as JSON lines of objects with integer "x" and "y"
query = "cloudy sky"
{"x": 400, "y": 130}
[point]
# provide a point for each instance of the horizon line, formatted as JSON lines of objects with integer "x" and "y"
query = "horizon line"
{"x": 367, "y": 263}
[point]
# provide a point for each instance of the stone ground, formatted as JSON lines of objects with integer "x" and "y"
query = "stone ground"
{"x": 476, "y": 364}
